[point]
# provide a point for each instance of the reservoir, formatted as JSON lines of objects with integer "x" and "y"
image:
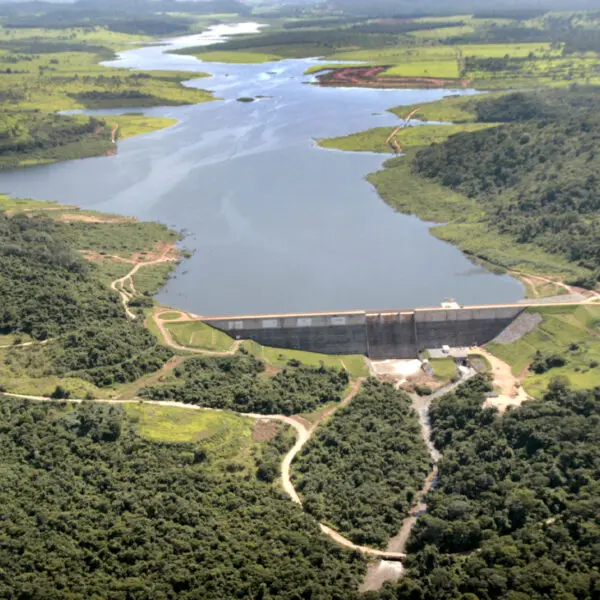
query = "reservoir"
{"x": 275, "y": 223}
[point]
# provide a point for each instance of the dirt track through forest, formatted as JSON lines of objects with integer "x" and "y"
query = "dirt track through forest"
{"x": 118, "y": 284}
{"x": 303, "y": 435}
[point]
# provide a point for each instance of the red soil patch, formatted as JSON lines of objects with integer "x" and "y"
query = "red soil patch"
{"x": 264, "y": 430}
{"x": 369, "y": 77}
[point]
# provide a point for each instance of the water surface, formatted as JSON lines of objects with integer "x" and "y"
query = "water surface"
{"x": 276, "y": 224}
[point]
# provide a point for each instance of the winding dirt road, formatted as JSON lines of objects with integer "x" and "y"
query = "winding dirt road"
{"x": 169, "y": 341}
{"x": 303, "y": 435}
{"x": 118, "y": 284}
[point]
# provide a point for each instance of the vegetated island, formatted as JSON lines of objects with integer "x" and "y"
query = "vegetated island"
{"x": 47, "y": 71}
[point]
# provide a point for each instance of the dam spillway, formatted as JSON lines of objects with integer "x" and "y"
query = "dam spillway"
{"x": 379, "y": 335}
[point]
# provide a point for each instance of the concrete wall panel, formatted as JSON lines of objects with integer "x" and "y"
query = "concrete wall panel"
{"x": 379, "y": 336}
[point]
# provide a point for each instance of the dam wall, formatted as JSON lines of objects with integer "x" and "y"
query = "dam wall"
{"x": 378, "y": 335}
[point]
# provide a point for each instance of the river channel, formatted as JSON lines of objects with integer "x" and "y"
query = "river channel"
{"x": 276, "y": 223}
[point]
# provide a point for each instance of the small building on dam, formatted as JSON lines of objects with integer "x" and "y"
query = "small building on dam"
{"x": 378, "y": 335}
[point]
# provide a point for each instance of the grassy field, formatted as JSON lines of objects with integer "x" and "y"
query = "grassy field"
{"x": 134, "y": 125}
{"x": 453, "y": 109}
{"x": 14, "y": 205}
{"x": 9, "y": 339}
{"x": 182, "y": 425}
{"x": 237, "y": 57}
{"x": 223, "y": 436}
{"x": 93, "y": 36}
{"x": 441, "y": 33}
{"x": 444, "y": 368}
{"x": 374, "y": 140}
{"x": 437, "y": 61}
{"x": 509, "y": 50}
{"x": 195, "y": 334}
{"x": 571, "y": 331}
{"x": 15, "y": 378}
{"x": 354, "y": 364}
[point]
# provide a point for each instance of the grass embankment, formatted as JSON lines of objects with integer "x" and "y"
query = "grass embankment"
{"x": 353, "y": 363}
{"x": 199, "y": 335}
{"x": 195, "y": 334}
{"x": 444, "y": 368}
{"x": 572, "y": 332}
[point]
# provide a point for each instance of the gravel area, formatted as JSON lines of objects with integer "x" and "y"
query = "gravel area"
{"x": 522, "y": 325}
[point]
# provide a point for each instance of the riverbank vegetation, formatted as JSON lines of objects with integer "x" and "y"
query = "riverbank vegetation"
{"x": 33, "y": 138}
{"x": 513, "y": 513}
{"x": 189, "y": 511}
{"x": 518, "y": 192}
{"x": 360, "y": 471}
{"x": 43, "y": 71}
{"x": 565, "y": 345}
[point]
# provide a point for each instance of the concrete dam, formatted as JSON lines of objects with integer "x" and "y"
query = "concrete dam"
{"x": 378, "y": 335}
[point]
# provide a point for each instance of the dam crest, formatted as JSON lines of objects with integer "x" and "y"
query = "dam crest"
{"x": 379, "y": 335}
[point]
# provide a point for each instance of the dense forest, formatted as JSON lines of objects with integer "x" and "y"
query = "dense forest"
{"x": 360, "y": 471}
{"x": 515, "y": 511}
{"x": 91, "y": 510}
{"x": 49, "y": 292}
{"x": 537, "y": 176}
{"x": 239, "y": 383}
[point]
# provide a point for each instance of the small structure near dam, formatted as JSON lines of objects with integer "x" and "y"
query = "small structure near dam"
{"x": 379, "y": 335}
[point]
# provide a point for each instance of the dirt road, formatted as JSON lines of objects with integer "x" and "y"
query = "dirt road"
{"x": 511, "y": 392}
{"x": 303, "y": 435}
{"x": 169, "y": 341}
{"x": 118, "y": 284}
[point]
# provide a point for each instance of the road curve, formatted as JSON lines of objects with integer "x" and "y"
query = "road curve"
{"x": 303, "y": 435}
{"x": 117, "y": 284}
{"x": 169, "y": 341}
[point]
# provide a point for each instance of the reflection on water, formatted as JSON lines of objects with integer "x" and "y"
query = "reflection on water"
{"x": 276, "y": 223}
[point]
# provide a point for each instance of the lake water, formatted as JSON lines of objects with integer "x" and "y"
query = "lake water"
{"x": 276, "y": 224}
